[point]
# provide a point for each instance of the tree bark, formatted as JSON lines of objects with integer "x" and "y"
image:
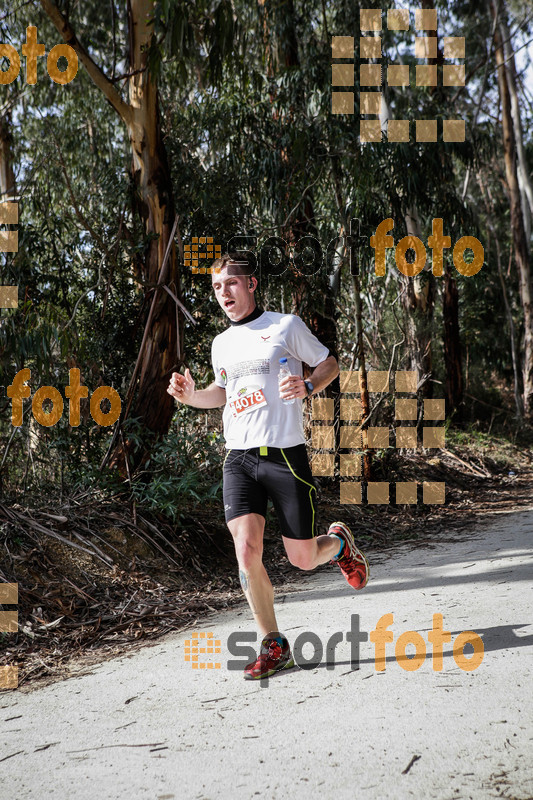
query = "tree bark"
{"x": 8, "y": 193}
{"x": 418, "y": 300}
{"x": 452, "y": 345}
{"x": 151, "y": 173}
{"x": 491, "y": 213}
{"x": 365, "y": 398}
{"x": 359, "y": 352}
{"x": 155, "y": 205}
{"x": 520, "y": 247}
{"x": 8, "y": 189}
{"x": 422, "y": 303}
{"x": 524, "y": 179}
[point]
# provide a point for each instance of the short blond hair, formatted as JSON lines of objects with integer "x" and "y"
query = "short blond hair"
{"x": 235, "y": 263}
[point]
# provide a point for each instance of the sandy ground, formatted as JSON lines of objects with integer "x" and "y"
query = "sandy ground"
{"x": 148, "y": 725}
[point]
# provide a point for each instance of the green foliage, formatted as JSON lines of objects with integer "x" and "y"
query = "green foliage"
{"x": 182, "y": 472}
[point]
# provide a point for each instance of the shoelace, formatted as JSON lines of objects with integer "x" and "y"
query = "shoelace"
{"x": 274, "y": 652}
{"x": 274, "y": 649}
{"x": 352, "y": 563}
{"x": 354, "y": 568}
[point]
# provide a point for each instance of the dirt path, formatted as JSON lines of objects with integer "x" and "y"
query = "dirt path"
{"x": 149, "y": 726}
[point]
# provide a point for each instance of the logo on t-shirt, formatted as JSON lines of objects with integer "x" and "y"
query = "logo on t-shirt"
{"x": 224, "y": 375}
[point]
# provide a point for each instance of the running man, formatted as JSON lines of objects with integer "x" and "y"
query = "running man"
{"x": 266, "y": 453}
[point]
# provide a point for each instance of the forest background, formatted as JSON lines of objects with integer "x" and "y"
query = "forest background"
{"x": 214, "y": 119}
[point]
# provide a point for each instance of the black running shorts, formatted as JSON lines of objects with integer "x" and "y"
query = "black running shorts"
{"x": 252, "y": 476}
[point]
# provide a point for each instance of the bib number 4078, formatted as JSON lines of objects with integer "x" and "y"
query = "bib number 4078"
{"x": 249, "y": 402}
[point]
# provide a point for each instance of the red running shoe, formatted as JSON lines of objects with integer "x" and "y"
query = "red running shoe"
{"x": 272, "y": 658}
{"x": 352, "y": 561}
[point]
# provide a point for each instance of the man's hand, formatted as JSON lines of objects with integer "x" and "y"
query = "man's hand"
{"x": 292, "y": 386}
{"x": 181, "y": 387}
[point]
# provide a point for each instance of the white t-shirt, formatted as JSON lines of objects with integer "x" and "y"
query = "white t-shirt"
{"x": 246, "y": 363}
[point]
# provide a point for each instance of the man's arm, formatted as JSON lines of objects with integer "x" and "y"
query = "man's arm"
{"x": 182, "y": 388}
{"x": 324, "y": 373}
{"x": 321, "y": 376}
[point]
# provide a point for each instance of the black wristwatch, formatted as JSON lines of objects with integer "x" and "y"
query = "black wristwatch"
{"x": 309, "y": 386}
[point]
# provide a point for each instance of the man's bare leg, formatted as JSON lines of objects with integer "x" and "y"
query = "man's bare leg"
{"x": 309, "y": 553}
{"x": 247, "y": 532}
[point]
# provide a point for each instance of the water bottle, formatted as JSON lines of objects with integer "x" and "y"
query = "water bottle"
{"x": 283, "y": 371}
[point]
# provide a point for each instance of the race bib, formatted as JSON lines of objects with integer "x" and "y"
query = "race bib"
{"x": 247, "y": 402}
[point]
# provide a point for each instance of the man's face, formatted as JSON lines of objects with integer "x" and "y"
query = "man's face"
{"x": 234, "y": 293}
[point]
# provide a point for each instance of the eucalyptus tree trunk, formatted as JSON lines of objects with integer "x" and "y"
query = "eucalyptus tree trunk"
{"x": 524, "y": 179}
{"x": 520, "y": 245}
{"x": 155, "y": 206}
{"x": 359, "y": 345}
{"x": 417, "y": 298}
{"x": 7, "y": 176}
{"x": 365, "y": 398}
{"x": 155, "y": 200}
{"x": 423, "y": 305}
{"x": 452, "y": 344}
{"x": 418, "y": 301}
